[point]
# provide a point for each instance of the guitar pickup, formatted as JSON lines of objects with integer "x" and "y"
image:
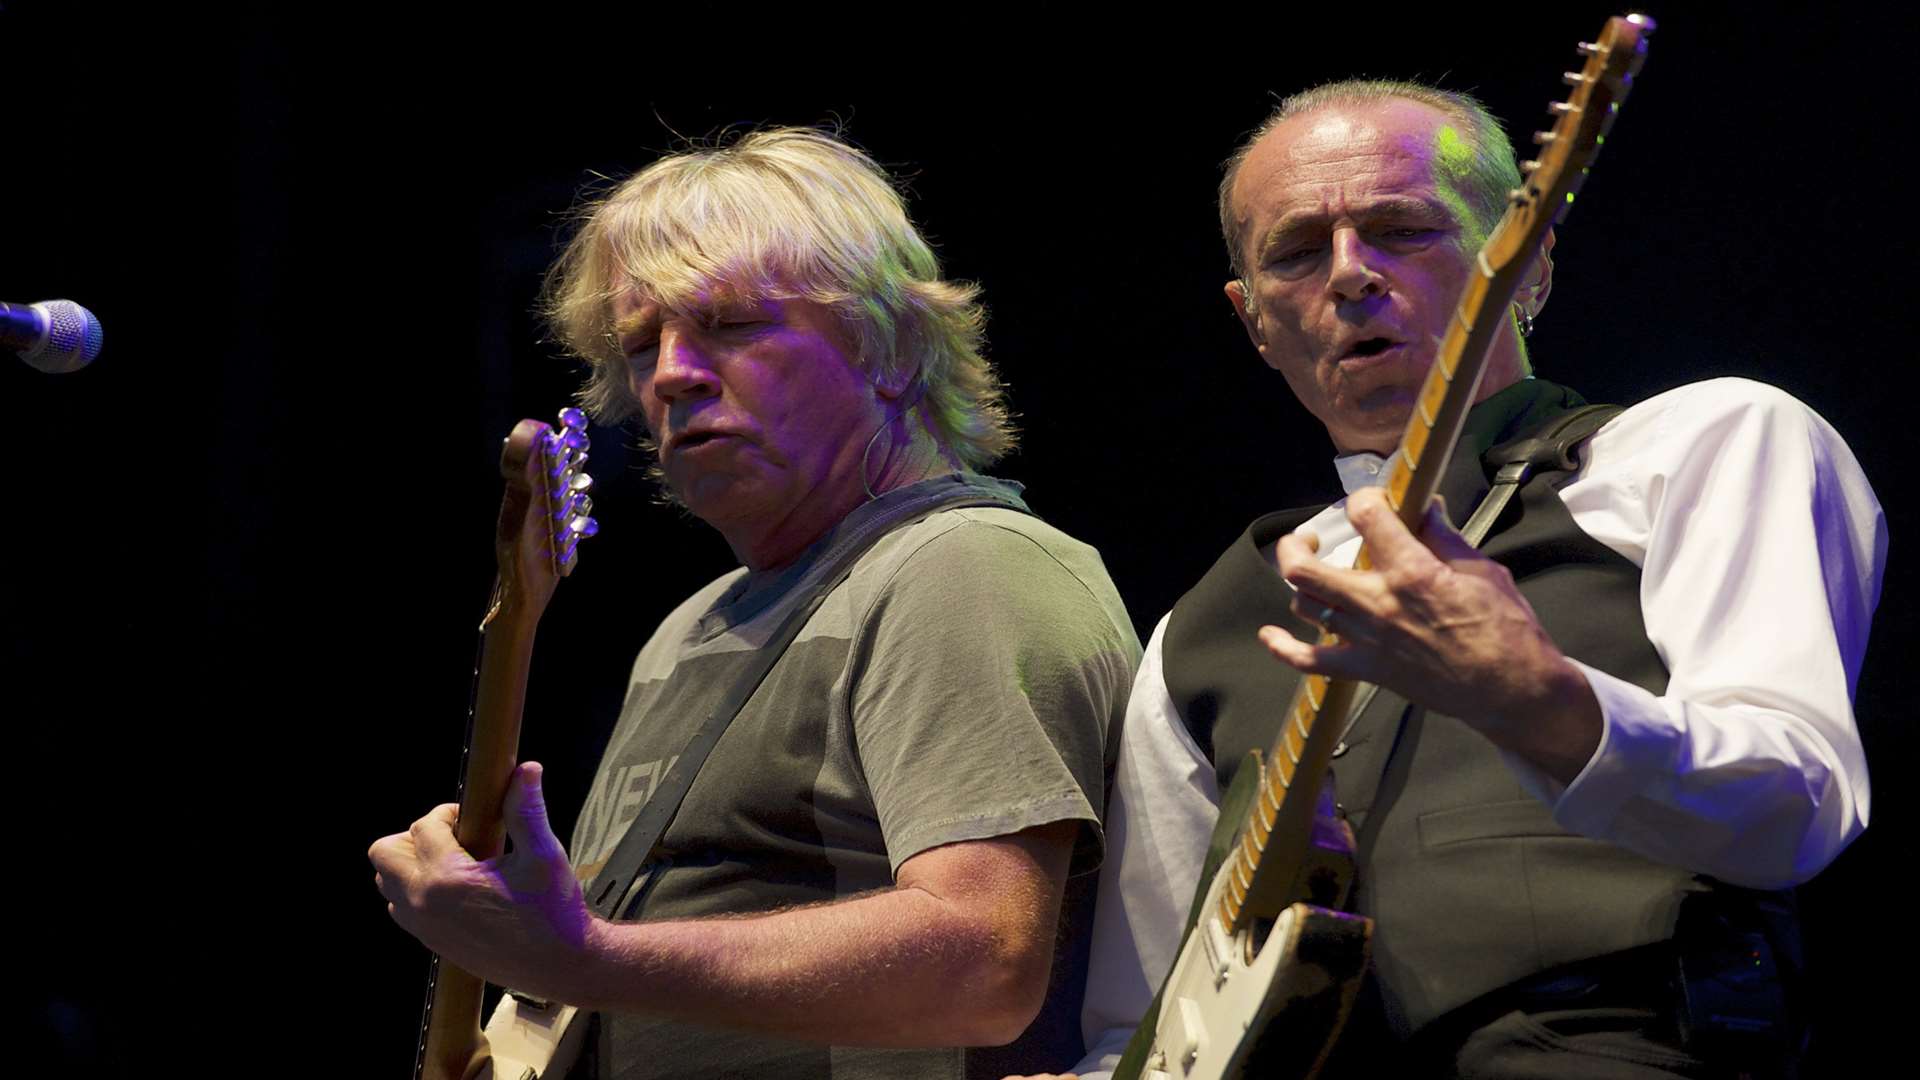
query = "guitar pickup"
{"x": 1190, "y": 1035}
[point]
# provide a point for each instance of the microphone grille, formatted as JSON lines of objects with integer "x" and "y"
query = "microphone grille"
{"x": 73, "y": 338}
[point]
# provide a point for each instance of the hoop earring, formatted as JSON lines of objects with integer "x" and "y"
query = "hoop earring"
{"x": 920, "y": 390}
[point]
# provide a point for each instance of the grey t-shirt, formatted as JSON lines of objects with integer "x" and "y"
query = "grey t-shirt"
{"x": 959, "y": 685}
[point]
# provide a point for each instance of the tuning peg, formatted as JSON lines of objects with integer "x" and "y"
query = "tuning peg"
{"x": 580, "y": 482}
{"x": 583, "y": 527}
{"x": 1573, "y": 78}
{"x": 1528, "y": 167}
{"x": 575, "y": 439}
{"x": 581, "y": 504}
{"x": 1560, "y": 108}
{"x": 573, "y": 419}
{"x": 1644, "y": 22}
{"x": 1543, "y": 137}
{"x": 1586, "y": 48}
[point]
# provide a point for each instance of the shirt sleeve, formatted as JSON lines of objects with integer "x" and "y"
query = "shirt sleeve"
{"x": 988, "y": 672}
{"x": 1164, "y": 804}
{"x": 1761, "y": 547}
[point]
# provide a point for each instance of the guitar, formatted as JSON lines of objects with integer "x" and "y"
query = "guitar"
{"x": 543, "y": 518}
{"x": 1266, "y": 967}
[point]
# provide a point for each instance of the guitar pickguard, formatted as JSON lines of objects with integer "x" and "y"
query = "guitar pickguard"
{"x": 1221, "y": 1014}
{"x": 1267, "y": 1001}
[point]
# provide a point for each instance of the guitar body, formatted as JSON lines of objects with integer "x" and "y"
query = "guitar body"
{"x": 1268, "y": 969}
{"x": 528, "y": 1042}
{"x": 522, "y": 1041}
{"x": 1267, "y": 1000}
{"x": 1222, "y": 1016}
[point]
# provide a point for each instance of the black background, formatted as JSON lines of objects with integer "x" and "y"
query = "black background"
{"x": 251, "y": 542}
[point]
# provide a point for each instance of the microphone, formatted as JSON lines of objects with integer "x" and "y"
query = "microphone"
{"x": 56, "y": 336}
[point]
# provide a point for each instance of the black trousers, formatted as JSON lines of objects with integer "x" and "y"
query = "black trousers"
{"x": 1580, "y": 1044}
{"x": 1611, "y": 1019}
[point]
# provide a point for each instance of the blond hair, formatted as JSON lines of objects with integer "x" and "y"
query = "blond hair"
{"x": 786, "y": 213}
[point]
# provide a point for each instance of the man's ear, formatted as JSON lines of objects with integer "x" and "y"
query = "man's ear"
{"x": 886, "y": 389}
{"x": 1241, "y": 300}
{"x": 1533, "y": 295}
{"x": 888, "y": 378}
{"x": 889, "y": 385}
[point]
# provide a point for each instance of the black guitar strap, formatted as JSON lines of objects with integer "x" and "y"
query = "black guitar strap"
{"x": 1516, "y": 460}
{"x": 613, "y": 891}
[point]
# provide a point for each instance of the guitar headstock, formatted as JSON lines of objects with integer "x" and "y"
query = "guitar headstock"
{"x": 544, "y": 514}
{"x": 1579, "y": 130}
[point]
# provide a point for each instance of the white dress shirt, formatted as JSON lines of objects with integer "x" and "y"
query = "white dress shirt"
{"x": 1760, "y": 547}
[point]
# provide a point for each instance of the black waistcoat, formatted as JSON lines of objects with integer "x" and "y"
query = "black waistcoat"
{"x": 1470, "y": 882}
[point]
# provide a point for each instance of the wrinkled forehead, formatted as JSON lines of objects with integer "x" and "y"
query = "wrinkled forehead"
{"x": 1392, "y": 126}
{"x": 1349, "y": 150}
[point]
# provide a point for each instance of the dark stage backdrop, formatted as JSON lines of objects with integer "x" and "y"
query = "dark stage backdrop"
{"x": 251, "y": 543}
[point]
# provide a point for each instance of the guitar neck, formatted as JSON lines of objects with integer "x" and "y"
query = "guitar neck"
{"x": 1440, "y": 411}
{"x": 542, "y": 518}
{"x": 493, "y": 737}
{"x": 451, "y": 1045}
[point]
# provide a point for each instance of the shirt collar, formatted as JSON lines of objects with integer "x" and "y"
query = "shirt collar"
{"x": 1362, "y": 470}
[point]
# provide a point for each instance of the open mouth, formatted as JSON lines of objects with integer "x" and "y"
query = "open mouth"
{"x": 1371, "y": 347}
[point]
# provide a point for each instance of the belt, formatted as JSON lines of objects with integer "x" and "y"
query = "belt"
{"x": 1642, "y": 978}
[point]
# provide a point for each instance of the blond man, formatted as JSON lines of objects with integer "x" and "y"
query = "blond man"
{"x": 870, "y": 872}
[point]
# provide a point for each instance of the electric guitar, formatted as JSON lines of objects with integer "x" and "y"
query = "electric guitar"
{"x": 1267, "y": 972}
{"x": 543, "y": 518}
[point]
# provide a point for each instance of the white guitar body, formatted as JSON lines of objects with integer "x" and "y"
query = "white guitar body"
{"x": 1226, "y": 990}
{"x": 528, "y": 1042}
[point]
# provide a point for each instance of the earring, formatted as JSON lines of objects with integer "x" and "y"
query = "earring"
{"x": 1526, "y": 320}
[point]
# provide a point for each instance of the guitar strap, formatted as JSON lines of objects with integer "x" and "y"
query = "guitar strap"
{"x": 625, "y": 873}
{"x": 1515, "y": 461}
